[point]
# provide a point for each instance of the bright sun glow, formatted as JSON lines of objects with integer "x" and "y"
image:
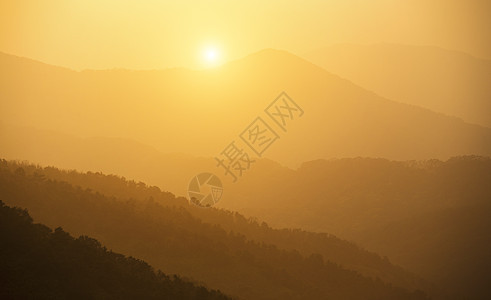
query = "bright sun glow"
{"x": 211, "y": 56}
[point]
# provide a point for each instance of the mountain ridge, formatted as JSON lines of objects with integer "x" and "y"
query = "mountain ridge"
{"x": 451, "y": 82}
{"x": 151, "y": 106}
{"x": 160, "y": 231}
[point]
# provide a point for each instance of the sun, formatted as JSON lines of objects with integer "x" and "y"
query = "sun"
{"x": 211, "y": 56}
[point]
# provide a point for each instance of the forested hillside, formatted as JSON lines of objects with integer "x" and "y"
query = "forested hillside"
{"x": 253, "y": 150}
{"x": 431, "y": 217}
{"x": 39, "y": 263}
{"x": 172, "y": 239}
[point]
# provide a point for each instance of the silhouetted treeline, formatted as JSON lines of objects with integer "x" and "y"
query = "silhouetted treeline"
{"x": 431, "y": 217}
{"x": 38, "y": 263}
{"x": 175, "y": 241}
{"x": 332, "y": 248}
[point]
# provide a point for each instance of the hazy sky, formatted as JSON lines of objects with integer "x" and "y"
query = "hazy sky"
{"x": 161, "y": 34}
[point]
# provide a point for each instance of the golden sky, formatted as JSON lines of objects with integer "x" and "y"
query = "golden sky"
{"x": 161, "y": 34}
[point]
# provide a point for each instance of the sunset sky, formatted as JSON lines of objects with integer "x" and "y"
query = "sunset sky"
{"x": 196, "y": 34}
{"x": 255, "y": 149}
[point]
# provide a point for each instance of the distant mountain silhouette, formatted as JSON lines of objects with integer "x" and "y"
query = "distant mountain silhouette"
{"x": 374, "y": 202}
{"x": 220, "y": 248}
{"x": 200, "y": 112}
{"x": 444, "y": 81}
{"x": 431, "y": 217}
{"x": 39, "y": 263}
{"x": 370, "y": 201}
{"x": 170, "y": 171}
